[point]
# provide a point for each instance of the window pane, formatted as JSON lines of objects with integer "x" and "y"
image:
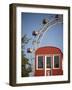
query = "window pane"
{"x": 48, "y": 60}
{"x": 40, "y": 61}
{"x": 56, "y": 61}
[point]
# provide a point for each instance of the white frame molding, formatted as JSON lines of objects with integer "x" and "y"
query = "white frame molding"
{"x": 44, "y": 58}
{"x": 65, "y": 76}
{"x": 37, "y": 62}
{"x": 51, "y": 55}
{"x": 59, "y": 61}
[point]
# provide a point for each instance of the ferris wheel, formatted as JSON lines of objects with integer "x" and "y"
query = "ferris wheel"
{"x": 38, "y": 34}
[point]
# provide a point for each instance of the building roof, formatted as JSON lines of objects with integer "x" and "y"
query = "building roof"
{"x": 48, "y": 50}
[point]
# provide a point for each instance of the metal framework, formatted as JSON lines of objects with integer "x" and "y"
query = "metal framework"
{"x": 47, "y": 25}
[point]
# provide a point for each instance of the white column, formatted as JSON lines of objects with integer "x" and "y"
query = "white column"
{"x": 45, "y": 65}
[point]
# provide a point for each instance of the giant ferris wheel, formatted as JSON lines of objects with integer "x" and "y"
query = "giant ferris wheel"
{"x": 38, "y": 34}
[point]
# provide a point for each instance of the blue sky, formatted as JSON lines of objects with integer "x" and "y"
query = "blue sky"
{"x": 33, "y": 21}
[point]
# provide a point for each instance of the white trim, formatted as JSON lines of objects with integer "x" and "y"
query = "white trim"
{"x": 51, "y": 61}
{"x": 59, "y": 61}
{"x": 45, "y": 65}
{"x": 51, "y": 55}
{"x": 63, "y": 77}
{"x": 37, "y": 63}
{"x": 47, "y": 54}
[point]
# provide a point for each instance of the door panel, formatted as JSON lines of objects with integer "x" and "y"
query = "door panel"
{"x": 48, "y": 62}
{"x": 48, "y": 69}
{"x": 48, "y": 72}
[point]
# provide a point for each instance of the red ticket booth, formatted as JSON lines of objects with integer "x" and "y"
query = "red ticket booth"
{"x": 48, "y": 61}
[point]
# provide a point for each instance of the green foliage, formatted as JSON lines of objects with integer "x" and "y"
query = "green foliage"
{"x": 26, "y": 66}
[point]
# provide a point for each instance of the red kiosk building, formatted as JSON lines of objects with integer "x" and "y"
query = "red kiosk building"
{"x": 48, "y": 61}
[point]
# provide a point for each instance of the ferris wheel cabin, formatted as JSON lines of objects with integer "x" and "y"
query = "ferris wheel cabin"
{"x": 48, "y": 61}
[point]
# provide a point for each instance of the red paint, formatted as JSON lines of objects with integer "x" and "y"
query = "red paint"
{"x": 39, "y": 73}
{"x": 57, "y": 72}
{"x": 48, "y": 50}
{"x": 44, "y": 51}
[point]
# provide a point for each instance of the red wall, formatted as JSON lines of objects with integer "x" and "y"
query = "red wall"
{"x": 48, "y": 50}
{"x": 45, "y": 51}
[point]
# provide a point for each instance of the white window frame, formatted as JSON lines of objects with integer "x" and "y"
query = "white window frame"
{"x": 59, "y": 61}
{"x": 46, "y": 61}
{"x": 37, "y": 63}
{"x": 48, "y": 55}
